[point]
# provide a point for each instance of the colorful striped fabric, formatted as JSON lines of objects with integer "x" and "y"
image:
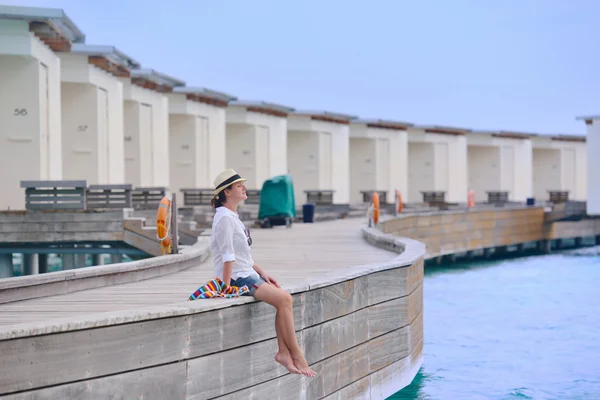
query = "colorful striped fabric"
{"x": 214, "y": 288}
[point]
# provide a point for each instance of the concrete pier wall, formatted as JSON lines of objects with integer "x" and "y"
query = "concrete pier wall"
{"x": 453, "y": 232}
{"x": 362, "y": 332}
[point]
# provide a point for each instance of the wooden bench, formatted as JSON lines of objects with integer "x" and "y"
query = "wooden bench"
{"x": 253, "y": 196}
{"x": 109, "y": 196}
{"x": 144, "y": 198}
{"x": 319, "y": 197}
{"x": 558, "y": 196}
{"x": 434, "y": 197}
{"x": 497, "y": 197}
{"x": 55, "y": 195}
{"x": 197, "y": 197}
{"x": 368, "y": 195}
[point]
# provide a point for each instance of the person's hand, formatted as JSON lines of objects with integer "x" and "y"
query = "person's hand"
{"x": 269, "y": 279}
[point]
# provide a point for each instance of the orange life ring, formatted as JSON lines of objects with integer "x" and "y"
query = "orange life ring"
{"x": 471, "y": 199}
{"x": 163, "y": 225}
{"x": 375, "y": 201}
{"x": 399, "y": 199}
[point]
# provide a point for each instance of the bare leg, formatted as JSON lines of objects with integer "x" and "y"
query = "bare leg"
{"x": 283, "y": 357}
{"x": 284, "y": 324}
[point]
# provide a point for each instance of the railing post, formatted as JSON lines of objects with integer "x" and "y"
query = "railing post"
{"x": 174, "y": 234}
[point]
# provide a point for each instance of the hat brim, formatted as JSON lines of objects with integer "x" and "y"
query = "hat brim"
{"x": 219, "y": 190}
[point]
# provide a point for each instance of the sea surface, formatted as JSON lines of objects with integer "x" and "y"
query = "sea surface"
{"x": 524, "y": 328}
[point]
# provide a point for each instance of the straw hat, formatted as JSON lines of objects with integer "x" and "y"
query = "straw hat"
{"x": 225, "y": 179}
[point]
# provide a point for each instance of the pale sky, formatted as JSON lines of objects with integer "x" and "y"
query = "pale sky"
{"x": 520, "y": 65}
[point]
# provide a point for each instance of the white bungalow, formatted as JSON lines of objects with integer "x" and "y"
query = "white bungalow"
{"x": 319, "y": 156}
{"x": 146, "y": 112}
{"x": 30, "y": 97}
{"x": 593, "y": 164}
{"x": 437, "y": 162}
{"x": 500, "y": 162}
{"x": 256, "y": 140}
{"x": 559, "y": 165}
{"x": 196, "y": 136}
{"x": 378, "y": 159}
{"x": 92, "y": 113}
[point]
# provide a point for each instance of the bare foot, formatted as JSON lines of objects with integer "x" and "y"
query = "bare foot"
{"x": 303, "y": 367}
{"x": 286, "y": 360}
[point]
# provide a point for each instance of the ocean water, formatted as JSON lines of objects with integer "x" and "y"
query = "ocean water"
{"x": 525, "y": 328}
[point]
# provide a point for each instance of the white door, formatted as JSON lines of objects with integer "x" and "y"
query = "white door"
{"x": 263, "y": 152}
{"x": 507, "y": 170}
{"x": 44, "y": 124}
{"x": 383, "y": 164}
{"x": 325, "y": 162}
{"x": 103, "y": 139}
{"x": 569, "y": 178}
{"x": 146, "y": 146}
{"x": 203, "y": 159}
{"x": 442, "y": 166}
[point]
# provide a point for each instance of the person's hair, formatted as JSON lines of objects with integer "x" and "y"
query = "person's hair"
{"x": 220, "y": 199}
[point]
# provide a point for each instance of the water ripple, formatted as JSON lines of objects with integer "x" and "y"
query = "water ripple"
{"x": 525, "y": 328}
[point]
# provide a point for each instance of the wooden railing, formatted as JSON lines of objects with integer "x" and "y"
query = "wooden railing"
{"x": 497, "y": 197}
{"x": 197, "y": 197}
{"x": 253, "y": 196}
{"x": 368, "y": 195}
{"x": 109, "y": 196}
{"x": 77, "y": 195}
{"x": 319, "y": 197}
{"x": 55, "y": 195}
{"x": 558, "y": 196}
{"x": 147, "y": 197}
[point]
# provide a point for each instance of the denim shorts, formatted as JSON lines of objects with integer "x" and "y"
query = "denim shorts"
{"x": 252, "y": 282}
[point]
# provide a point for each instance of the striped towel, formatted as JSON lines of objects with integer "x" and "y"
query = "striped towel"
{"x": 215, "y": 288}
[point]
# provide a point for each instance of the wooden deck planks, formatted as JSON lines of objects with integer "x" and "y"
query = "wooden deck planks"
{"x": 292, "y": 256}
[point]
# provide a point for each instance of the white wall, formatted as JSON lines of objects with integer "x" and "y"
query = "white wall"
{"x": 268, "y": 130}
{"x": 546, "y": 172}
{"x": 568, "y": 162}
{"x": 420, "y": 170}
{"x": 389, "y": 163}
{"x": 96, "y": 118}
{"x": 340, "y": 159}
{"x": 363, "y": 167}
{"x": 514, "y": 165}
{"x": 484, "y": 170}
{"x": 215, "y": 117}
{"x": 241, "y": 153}
{"x": 80, "y": 134}
{"x": 146, "y": 121}
{"x": 303, "y": 159}
{"x": 593, "y": 168}
{"x": 449, "y": 165}
{"x": 30, "y": 144}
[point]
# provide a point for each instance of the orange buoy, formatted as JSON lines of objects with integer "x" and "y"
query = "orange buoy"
{"x": 470, "y": 199}
{"x": 163, "y": 225}
{"x": 375, "y": 202}
{"x": 399, "y": 201}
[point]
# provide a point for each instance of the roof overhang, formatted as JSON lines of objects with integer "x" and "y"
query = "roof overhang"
{"x": 204, "y": 95}
{"x": 263, "y": 107}
{"x": 514, "y": 135}
{"x": 327, "y": 116}
{"x": 588, "y": 119}
{"x": 445, "y": 130}
{"x": 108, "y": 58}
{"x": 384, "y": 124}
{"x": 153, "y": 80}
{"x": 51, "y": 25}
{"x": 569, "y": 138}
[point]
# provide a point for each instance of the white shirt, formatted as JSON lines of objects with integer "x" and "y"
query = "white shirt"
{"x": 229, "y": 243}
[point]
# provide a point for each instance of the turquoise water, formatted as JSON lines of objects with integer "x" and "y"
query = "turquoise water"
{"x": 526, "y": 328}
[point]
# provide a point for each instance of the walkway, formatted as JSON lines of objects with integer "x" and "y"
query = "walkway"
{"x": 299, "y": 255}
